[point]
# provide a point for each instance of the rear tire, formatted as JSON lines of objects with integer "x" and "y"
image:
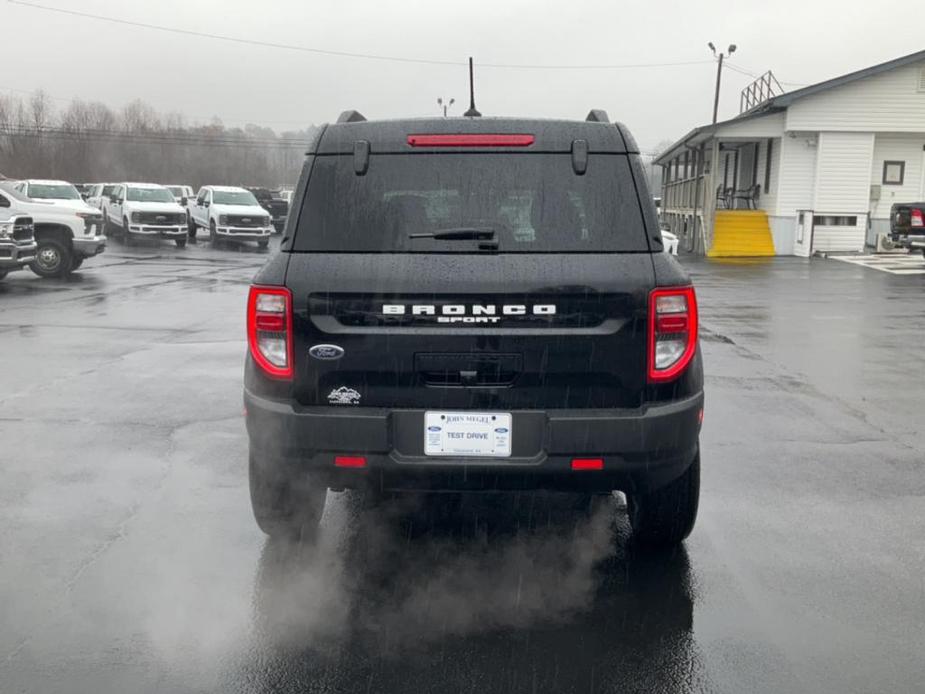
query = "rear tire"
{"x": 3, "y": 273}
{"x": 283, "y": 507}
{"x": 52, "y": 258}
{"x": 263, "y": 245}
{"x": 213, "y": 236}
{"x": 664, "y": 517}
{"x": 181, "y": 243}
{"x": 76, "y": 263}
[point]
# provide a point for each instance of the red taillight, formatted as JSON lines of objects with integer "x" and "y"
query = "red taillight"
{"x": 269, "y": 330}
{"x": 672, "y": 332}
{"x": 470, "y": 140}
{"x": 588, "y": 464}
{"x": 917, "y": 219}
{"x": 349, "y": 461}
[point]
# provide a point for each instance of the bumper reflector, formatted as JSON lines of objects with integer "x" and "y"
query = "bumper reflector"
{"x": 349, "y": 461}
{"x": 587, "y": 463}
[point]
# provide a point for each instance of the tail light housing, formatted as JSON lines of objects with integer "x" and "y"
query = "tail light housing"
{"x": 672, "y": 332}
{"x": 917, "y": 218}
{"x": 269, "y": 330}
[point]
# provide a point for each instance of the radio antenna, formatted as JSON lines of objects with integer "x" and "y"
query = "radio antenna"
{"x": 472, "y": 112}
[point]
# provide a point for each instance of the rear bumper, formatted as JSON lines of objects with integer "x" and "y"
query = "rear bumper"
{"x": 88, "y": 246}
{"x": 909, "y": 239}
{"x": 642, "y": 448}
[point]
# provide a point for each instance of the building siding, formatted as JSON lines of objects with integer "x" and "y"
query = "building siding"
{"x": 897, "y": 147}
{"x": 843, "y": 163}
{"x": 842, "y": 187}
{"x": 797, "y": 174}
{"x": 771, "y": 125}
{"x": 892, "y": 102}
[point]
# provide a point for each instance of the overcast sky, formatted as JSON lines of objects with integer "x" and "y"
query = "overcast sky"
{"x": 802, "y": 41}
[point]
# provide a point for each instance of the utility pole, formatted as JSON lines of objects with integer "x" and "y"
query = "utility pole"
{"x": 719, "y": 73}
{"x": 445, "y": 104}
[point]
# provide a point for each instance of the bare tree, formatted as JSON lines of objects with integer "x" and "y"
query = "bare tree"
{"x": 88, "y": 141}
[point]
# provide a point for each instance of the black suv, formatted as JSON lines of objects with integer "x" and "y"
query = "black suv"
{"x": 907, "y": 225}
{"x": 474, "y": 304}
{"x": 274, "y": 204}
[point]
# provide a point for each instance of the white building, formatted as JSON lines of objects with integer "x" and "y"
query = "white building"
{"x": 813, "y": 170}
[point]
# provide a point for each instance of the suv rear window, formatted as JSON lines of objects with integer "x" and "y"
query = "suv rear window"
{"x": 535, "y": 203}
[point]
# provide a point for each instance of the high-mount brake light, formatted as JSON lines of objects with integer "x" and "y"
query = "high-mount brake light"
{"x": 672, "y": 332}
{"x": 471, "y": 140}
{"x": 269, "y": 330}
{"x": 917, "y": 219}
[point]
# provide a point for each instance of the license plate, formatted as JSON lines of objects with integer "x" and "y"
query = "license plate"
{"x": 468, "y": 434}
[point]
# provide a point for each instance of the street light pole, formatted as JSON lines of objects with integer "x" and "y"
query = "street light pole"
{"x": 719, "y": 74}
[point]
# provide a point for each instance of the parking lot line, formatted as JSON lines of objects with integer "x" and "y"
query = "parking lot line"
{"x": 894, "y": 264}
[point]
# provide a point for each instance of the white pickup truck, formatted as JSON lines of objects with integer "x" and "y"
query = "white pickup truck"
{"x": 229, "y": 213}
{"x": 144, "y": 210}
{"x": 17, "y": 245}
{"x": 67, "y": 230}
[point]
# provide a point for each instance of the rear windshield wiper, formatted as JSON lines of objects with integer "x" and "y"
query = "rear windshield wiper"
{"x": 457, "y": 234}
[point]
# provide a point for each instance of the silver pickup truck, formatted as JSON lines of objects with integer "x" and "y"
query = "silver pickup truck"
{"x": 17, "y": 243}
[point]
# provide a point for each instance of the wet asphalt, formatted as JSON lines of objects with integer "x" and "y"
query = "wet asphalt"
{"x": 129, "y": 560}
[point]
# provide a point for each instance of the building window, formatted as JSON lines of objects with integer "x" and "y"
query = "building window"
{"x": 767, "y": 167}
{"x": 893, "y": 173}
{"x": 835, "y": 220}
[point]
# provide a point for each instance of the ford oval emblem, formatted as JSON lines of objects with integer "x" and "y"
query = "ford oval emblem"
{"x": 433, "y": 428}
{"x": 501, "y": 430}
{"x": 326, "y": 352}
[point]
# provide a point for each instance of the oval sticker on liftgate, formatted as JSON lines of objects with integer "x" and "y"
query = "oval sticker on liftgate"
{"x": 326, "y": 352}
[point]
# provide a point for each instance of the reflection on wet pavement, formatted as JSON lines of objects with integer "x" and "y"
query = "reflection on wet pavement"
{"x": 498, "y": 594}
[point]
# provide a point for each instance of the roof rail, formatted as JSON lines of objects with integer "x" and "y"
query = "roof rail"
{"x": 351, "y": 116}
{"x": 597, "y": 115}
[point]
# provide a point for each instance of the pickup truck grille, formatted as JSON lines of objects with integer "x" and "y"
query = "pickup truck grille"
{"x": 161, "y": 218}
{"x": 246, "y": 220}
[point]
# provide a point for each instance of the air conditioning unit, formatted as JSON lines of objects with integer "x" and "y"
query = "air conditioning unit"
{"x": 885, "y": 244}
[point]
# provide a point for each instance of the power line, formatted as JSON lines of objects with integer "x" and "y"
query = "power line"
{"x": 749, "y": 73}
{"x": 101, "y": 136}
{"x": 81, "y": 130}
{"x": 343, "y": 54}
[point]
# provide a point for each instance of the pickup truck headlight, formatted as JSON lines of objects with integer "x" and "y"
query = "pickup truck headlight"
{"x": 223, "y": 219}
{"x": 86, "y": 215}
{"x": 267, "y": 221}
{"x": 5, "y": 230}
{"x": 136, "y": 217}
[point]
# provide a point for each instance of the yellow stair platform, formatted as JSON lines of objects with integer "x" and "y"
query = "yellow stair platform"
{"x": 741, "y": 234}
